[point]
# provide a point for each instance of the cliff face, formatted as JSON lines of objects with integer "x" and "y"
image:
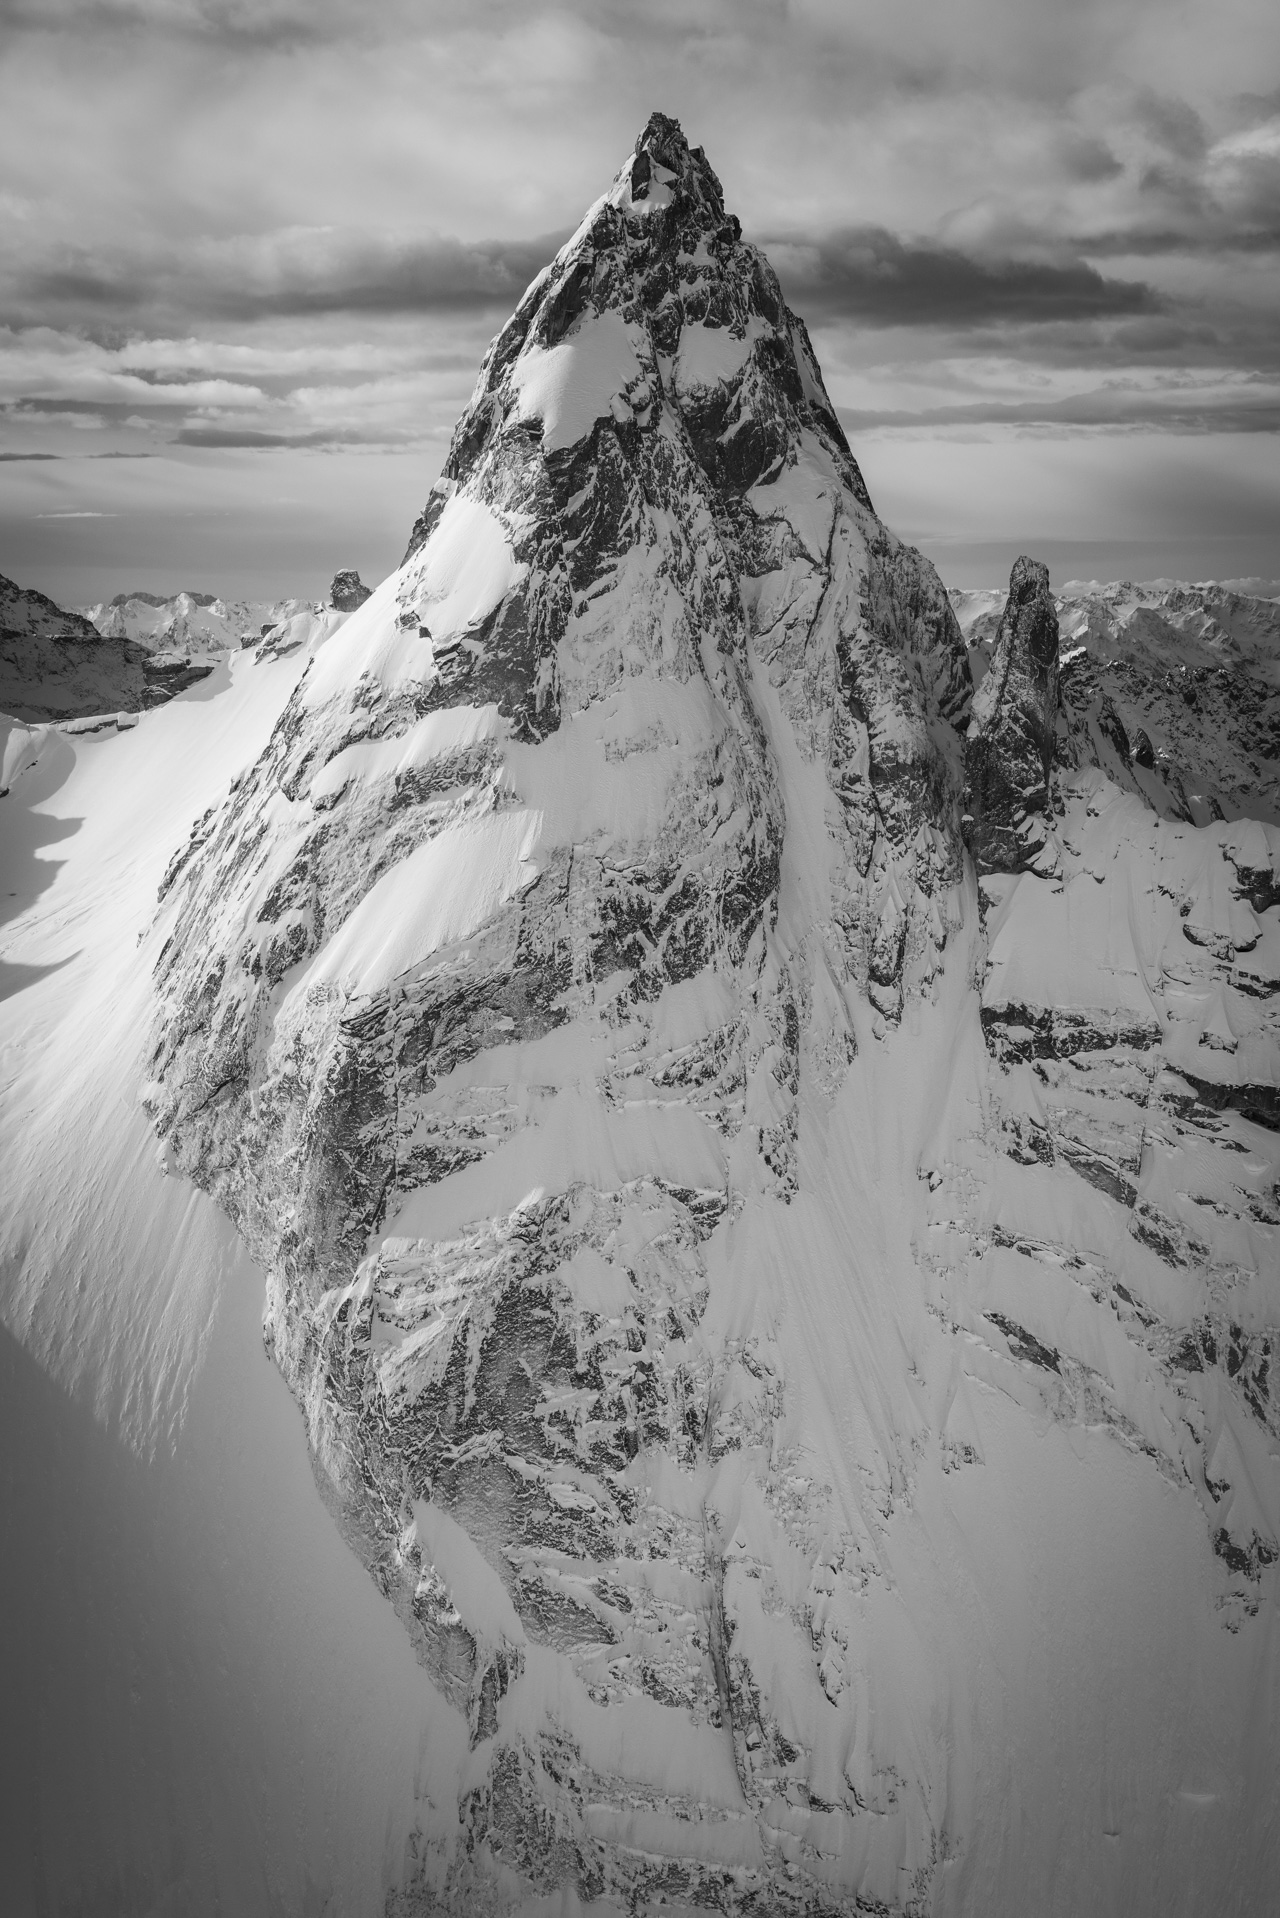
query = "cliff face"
{"x": 577, "y": 1007}
{"x": 1176, "y": 688}
{"x": 25, "y": 612}
{"x": 1009, "y": 751}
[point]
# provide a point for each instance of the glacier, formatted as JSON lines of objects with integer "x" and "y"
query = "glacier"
{"x": 751, "y": 1085}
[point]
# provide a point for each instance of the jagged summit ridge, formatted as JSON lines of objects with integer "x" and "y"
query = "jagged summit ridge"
{"x": 660, "y": 255}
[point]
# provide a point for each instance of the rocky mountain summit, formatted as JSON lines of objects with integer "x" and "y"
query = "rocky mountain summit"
{"x": 348, "y": 591}
{"x": 1009, "y": 748}
{"x": 704, "y": 1085}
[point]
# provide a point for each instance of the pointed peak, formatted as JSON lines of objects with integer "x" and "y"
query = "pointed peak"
{"x": 1028, "y": 580}
{"x": 664, "y": 157}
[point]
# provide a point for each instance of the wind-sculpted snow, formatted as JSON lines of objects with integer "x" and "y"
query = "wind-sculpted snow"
{"x": 580, "y": 1008}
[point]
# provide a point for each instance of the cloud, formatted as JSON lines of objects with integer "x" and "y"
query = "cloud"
{"x": 271, "y": 235}
{"x": 1207, "y": 414}
{"x": 870, "y": 275}
{"x": 254, "y": 25}
{"x": 1087, "y": 156}
{"x": 1174, "y": 124}
{"x": 234, "y": 436}
{"x": 293, "y": 273}
{"x": 63, "y": 456}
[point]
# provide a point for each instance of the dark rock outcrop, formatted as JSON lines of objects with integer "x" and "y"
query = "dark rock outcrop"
{"x": 348, "y": 591}
{"x": 168, "y": 674}
{"x": 1009, "y": 751}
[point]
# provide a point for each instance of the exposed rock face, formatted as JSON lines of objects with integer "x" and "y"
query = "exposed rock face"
{"x": 140, "y": 649}
{"x": 170, "y": 673}
{"x": 56, "y": 665}
{"x": 348, "y": 591}
{"x": 24, "y": 611}
{"x": 50, "y": 679}
{"x": 518, "y": 1004}
{"x": 1009, "y": 752}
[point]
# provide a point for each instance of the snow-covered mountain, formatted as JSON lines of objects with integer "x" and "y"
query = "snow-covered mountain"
{"x": 201, "y": 624}
{"x": 191, "y": 622}
{"x": 756, "y": 1101}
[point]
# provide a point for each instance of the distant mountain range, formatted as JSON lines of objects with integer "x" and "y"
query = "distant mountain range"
{"x": 138, "y": 649}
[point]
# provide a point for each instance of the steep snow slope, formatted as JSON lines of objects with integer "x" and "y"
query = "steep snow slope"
{"x": 782, "y": 1305}
{"x": 207, "y": 1706}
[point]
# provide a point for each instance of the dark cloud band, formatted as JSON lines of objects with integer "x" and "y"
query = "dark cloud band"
{"x": 286, "y": 275}
{"x": 1083, "y": 410}
{"x": 871, "y": 275}
{"x": 866, "y": 274}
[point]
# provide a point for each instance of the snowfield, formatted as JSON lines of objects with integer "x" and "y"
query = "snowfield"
{"x": 208, "y": 1707}
{"x": 759, "y": 1169}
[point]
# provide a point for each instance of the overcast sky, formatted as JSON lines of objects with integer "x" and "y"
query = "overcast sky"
{"x": 251, "y": 252}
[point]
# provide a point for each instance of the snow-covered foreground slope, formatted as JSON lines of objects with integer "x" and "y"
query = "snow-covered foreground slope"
{"x": 764, "y": 1164}
{"x": 207, "y": 1706}
{"x": 210, "y": 1706}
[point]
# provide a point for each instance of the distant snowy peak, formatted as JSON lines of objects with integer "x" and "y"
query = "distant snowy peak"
{"x": 1202, "y": 625}
{"x": 202, "y": 624}
{"x": 192, "y": 623}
